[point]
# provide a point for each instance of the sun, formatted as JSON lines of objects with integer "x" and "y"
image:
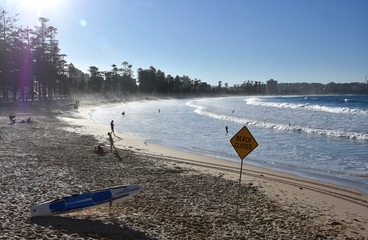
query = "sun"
{"x": 40, "y": 6}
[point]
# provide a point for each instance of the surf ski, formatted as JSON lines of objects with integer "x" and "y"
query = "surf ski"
{"x": 80, "y": 202}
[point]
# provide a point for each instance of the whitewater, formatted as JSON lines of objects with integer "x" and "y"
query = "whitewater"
{"x": 318, "y": 137}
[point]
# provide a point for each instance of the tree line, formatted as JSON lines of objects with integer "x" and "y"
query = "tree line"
{"x": 32, "y": 67}
{"x": 30, "y": 60}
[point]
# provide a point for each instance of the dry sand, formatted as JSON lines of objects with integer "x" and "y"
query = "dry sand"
{"x": 185, "y": 196}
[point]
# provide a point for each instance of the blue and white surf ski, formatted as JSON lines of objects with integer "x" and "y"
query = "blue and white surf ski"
{"x": 80, "y": 202}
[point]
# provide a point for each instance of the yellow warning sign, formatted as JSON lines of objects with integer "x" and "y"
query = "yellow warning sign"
{"x": 243, "y": 142}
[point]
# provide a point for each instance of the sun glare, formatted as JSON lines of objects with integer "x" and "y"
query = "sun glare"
{"x": 40, "y": 6}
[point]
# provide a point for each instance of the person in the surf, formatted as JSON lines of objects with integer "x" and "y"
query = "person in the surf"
{"x": 112, "y": 126}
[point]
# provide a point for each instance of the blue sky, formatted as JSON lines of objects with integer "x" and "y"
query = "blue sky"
{"x": 212, "y": 40}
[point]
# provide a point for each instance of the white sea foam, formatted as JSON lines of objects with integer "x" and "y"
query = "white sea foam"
{"x": 279, "y": 127}
{"x": 260, "y": 102}
{"x": 288, "y": 139}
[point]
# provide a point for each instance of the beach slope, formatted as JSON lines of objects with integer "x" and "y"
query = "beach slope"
{"x": 185, "y": 196}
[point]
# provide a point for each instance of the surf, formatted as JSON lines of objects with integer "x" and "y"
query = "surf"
{"x": 202, "y": 110}
{"x": 305, "y": 106}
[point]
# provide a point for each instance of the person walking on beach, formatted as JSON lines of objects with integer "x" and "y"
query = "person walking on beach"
{"x": 111, "y": 142}
{"x": 112, "y": 126}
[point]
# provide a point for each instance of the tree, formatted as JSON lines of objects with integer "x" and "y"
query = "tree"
{"x": 108, "y": 81}
{"x": 49, "y": 64}
{"x": 178, "y": 85}
{"x": 96, "y": 80}
{"x": 7, "y": 28}
{"x": 116, "y": 84}
{"x": 127, "y": 78}
{"x": 147, "y": 80}
{"x": 41, "y": 58}
{"x": 56, "y": 63}
{"x": 26, "y": 65}
{"x": 170, "y": 83}
{"x": 161, "y": 83}
{"x": 125, "y": 65}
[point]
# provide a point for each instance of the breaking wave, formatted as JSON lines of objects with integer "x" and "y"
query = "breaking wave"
{"x": 314, "y": 107}
{"x": 201, "y": 110}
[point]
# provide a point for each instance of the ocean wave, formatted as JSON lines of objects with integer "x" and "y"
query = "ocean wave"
{"x": 314, "y": 107}
{"x": 353, "y": 100}
{"x": 201, "y": 110}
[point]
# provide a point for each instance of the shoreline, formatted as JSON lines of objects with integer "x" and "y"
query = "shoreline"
{"x": 185, "y": 195}
{"x": 141, "y": 145}
{"x": 333, "y": 177}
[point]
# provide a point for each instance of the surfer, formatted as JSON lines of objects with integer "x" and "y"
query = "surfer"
{"x": 111, "y": 142}
{"x": 112, "y": 126}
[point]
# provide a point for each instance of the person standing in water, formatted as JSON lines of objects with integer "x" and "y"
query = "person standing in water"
{"x": 112, "y": 126}
{"x": 227, "y": 130}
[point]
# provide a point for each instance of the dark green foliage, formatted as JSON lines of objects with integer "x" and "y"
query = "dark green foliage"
{"x": 31, "y": 66}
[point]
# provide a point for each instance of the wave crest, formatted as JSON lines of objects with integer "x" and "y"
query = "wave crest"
{"x": 259, "y": 102}
{"x": 279, "y": 127}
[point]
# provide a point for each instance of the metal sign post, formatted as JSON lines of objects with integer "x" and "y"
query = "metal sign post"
{"x": 241, "y": 170}
{"x": 243, "y": 143}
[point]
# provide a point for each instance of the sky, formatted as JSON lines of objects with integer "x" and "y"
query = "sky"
{"x": 211, "y": 40}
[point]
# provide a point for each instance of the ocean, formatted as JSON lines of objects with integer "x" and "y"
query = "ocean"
{"x": 318, "y": 137}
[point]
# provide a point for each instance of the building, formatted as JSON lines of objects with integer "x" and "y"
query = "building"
{"x": 271, "y": 87}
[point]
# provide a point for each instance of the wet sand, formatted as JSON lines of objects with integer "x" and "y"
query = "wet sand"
{"x": 185, "y": 196}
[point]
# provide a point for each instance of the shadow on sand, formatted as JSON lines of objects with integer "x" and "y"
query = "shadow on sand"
{"x": 118, "y": 156}
{"x": 89, "y": 228}
{"x": 118, "y": 137}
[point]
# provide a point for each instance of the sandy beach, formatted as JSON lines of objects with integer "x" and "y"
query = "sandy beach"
{"x": 185, "y": 196}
